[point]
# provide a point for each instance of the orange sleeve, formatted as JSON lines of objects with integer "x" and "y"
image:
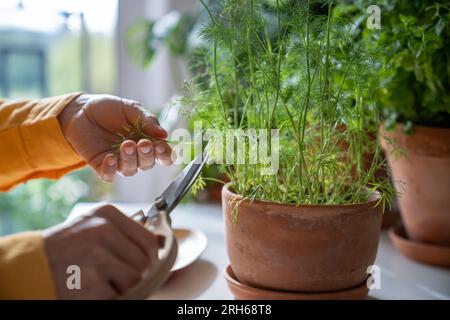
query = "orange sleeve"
{"x": 31, "y": 141}
{"x": 24, "y": 269}
{"x": 32, "y": 146}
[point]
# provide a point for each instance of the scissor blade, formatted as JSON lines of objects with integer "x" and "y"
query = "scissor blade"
{"x": 180, "y": 185}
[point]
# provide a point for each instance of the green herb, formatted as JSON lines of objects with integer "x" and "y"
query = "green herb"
{"x": 135, "y": 133}
{"x": 292, "y": 66}
{"x": 198, "y": 185}
{"x": 413, "y": 78}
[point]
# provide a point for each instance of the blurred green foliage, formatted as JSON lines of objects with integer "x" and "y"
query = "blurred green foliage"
{"x": 413, "y": 77}
{"x": 41, "y": 203}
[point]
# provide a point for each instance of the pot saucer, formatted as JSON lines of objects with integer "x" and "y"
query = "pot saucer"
{"x": 423, "y": 252}
{"x": 245, "y": 292}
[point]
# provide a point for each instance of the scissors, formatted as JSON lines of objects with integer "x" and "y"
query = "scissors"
{"x": 157, "y": 220}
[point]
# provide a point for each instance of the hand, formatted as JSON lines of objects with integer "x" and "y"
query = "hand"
{"x": 91, "y": 124}
{"x": 111, "y": 250}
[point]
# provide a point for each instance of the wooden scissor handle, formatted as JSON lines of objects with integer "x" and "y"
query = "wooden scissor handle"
{"x": 158, "y": 274}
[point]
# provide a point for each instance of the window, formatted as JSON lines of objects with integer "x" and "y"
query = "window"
{"x": 47, "y": 48}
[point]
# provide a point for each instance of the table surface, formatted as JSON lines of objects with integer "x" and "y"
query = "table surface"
{"x": 401, "y": 278}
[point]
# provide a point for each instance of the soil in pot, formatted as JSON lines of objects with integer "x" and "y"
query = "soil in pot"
{"x": 420, "y": 165}
{"x": 306, "y": 248}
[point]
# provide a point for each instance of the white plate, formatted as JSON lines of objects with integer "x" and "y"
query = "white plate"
{"x": 191, "y": 245}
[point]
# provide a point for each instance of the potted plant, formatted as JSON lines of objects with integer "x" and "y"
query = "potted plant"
{"x": 312, "y": 226}
{"x": 414, "y": 96}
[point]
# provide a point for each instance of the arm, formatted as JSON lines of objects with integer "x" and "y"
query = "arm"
{"x": 29, "y": 132}
{"x": 49, "y": 138}
{"x": 24, "y": 270}
{"x": 32, "y": 144}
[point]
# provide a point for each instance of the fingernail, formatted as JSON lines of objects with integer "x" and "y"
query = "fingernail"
{"x": 160, "y": 148}
{"x": 111, "y": 162}
{"x": 146, "y": 149}
{"x": 129, "y": 150}
{"x": 108, "y": 177}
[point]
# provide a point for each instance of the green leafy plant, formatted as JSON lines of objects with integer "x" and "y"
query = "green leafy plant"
{"x": 413, "y": 77}
{"x": 292, "y": 66}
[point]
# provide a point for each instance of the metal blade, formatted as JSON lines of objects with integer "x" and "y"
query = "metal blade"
{"x": 178, "y": 188}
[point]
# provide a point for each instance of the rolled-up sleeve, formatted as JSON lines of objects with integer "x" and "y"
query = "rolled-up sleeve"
{"x": 24, "y": 269}
{"x": 32, "y": 144}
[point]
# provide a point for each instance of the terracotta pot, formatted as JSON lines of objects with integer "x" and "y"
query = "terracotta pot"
{"x": 421, "y": 175}
{"x": 306, "y": 248}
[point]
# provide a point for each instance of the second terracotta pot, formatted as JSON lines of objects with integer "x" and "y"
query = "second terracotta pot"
{"x": 306, "y": 248}
{"x": 420, "y": 165}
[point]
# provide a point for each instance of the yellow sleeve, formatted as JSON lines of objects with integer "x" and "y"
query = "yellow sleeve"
{"x": 31, "y": 141}
{"x": 24, "y": 269}
{"x": 32, "y": 146}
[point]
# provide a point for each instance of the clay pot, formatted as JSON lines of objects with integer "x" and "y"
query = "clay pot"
{"x": 391, "y": 216}
{"x": 306, "y": 248}
{"x": 421, "y": 175}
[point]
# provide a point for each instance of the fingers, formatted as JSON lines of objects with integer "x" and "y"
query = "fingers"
{"x": 142, "y": 155}
{"x": 95, "y": 284}
{"x": 152, "y": 127}
{"x": 134, "y": 156}
{"x": 139, "y": 235}
{"x": 128, "y": 161}
{"x": 104, "y": 291}
{"x": 108, "y": 167}
{"x": 134, "y": 113}
{"x": 111, "y": 251}
{"x": 146, "y": 154}
{"x": 125, "y": 250}
{"x": 164, "y": 153}
{"x": 122, "y": 276}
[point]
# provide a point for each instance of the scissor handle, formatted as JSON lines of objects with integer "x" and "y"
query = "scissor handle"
{"x": 158, "y": 274}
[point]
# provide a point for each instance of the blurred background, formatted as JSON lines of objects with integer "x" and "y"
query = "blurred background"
{"x": 135, "y": 49}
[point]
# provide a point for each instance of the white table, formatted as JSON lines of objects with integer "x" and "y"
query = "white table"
{"x": 401, "y": 278}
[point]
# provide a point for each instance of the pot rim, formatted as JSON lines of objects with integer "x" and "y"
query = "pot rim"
{"x": 423, "y": 141}
{"x": 417, "y": 129}
{"x": 371, "y": 203}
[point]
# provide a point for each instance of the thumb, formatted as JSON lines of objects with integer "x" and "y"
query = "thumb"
{"x": 134, "y": 113}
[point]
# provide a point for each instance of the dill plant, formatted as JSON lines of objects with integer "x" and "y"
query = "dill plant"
{"x": 290, "y": 65}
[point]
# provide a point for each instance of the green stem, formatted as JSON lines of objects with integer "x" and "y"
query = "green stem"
{"x": 216, "y": 81}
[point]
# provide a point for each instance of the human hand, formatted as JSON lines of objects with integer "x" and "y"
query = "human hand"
{"x": 111, "y": 250}
{"x": 92, "y": 124}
